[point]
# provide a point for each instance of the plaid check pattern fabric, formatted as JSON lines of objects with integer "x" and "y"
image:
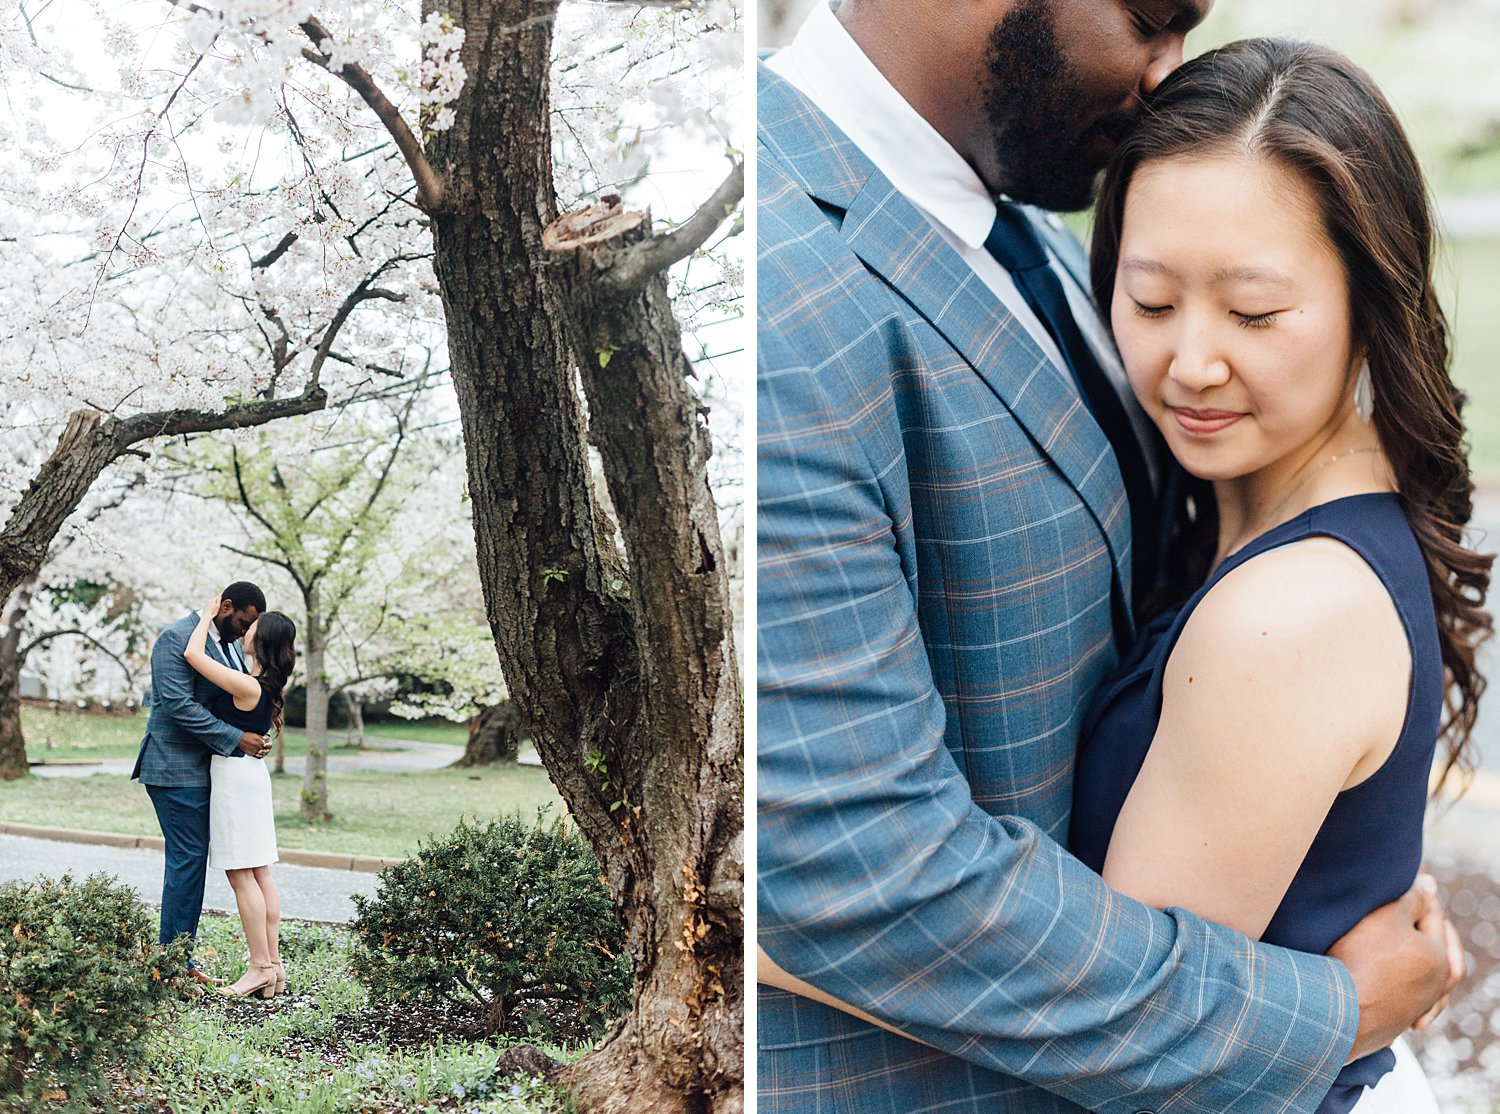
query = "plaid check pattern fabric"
{"x": 181, "y": 734}
{"x": 943, "y": 548}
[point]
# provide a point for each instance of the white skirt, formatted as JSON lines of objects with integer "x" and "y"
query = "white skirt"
{"x": 241, "y": 820}
{"x": 1402, "y": 1090}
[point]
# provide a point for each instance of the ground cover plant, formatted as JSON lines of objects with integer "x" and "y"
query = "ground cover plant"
{"x": 322, "y": 1048}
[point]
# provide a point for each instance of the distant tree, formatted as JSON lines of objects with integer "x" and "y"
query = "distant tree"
{"x": 321, "y": 514}
{"x": 494, "y": 736}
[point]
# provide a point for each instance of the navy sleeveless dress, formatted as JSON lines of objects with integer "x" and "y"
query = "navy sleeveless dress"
{"x": 257, "y": 719}
{"x": 1369, "y": 848}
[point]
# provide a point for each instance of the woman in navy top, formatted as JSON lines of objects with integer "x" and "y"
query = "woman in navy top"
{"x": 1263, "y": 244}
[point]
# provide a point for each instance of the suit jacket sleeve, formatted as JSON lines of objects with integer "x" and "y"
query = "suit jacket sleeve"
{"x": 173, "y": 680}
{"x": 883, "y": 884}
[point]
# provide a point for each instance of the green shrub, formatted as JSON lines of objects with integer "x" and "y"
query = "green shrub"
{"x": 82, "y": 980}
{"x": 511, "y": 917}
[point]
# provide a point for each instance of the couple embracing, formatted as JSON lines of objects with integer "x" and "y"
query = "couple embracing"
{"x": 218, "y": 685}
{"x": 1112, "y": 612}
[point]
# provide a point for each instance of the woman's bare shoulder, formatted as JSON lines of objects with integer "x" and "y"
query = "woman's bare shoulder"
{"x": 1305, "y": 633}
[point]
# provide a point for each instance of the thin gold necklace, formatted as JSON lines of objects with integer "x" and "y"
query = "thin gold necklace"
{"x": 1269, "y": 518}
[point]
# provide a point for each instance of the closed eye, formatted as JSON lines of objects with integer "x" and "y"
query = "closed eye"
{"x": 1256, "y": 320}
{"x": 1147, "y": 27}
{"x": 1149, "y": 311}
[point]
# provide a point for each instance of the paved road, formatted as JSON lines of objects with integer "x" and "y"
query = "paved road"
{"x": 307, "y": 892}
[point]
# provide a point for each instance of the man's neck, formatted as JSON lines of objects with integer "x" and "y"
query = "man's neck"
{"x": 901, "y": 51}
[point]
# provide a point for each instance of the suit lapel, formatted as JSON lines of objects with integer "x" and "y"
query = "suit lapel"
{"x": 215, "y": 649}
{"x": 898, "y": 243}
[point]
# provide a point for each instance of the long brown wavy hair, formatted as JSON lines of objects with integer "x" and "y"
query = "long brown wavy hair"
{"x": 1313, "y": 112}
{"x": 276, "y": 650}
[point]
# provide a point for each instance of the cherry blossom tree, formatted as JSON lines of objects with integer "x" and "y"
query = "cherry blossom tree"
{"x": 274, "y": 169}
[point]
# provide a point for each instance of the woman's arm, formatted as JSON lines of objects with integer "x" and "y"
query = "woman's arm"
{"x": 1288, "y": 684}
{"x": 244, "y": 688}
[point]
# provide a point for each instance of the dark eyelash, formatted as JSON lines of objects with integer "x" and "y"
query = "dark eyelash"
{"x": 1150, "y": 311}
{"x": 1256, "y": 320}
{"x": 1146, "y": 27}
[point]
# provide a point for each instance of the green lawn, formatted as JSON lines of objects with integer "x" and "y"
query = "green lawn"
{"x": 417, "y": 731}
{"x": 374, "y": 813}
{"x": 66, "y": 735}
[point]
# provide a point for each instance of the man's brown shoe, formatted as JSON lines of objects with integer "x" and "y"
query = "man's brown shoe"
{"x": 201, "y": 976}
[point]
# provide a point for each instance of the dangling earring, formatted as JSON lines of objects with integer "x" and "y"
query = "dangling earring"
{"x": 1364, "y": 393}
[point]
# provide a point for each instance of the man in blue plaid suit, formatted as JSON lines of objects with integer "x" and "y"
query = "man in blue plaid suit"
{"x": 181, "y": 735}
{"x": 945, "y": 564}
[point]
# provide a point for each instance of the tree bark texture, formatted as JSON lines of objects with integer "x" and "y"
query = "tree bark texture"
{"x": 13, "y": 764}
{"x": 315, "y": 774}
{"x": 622, "y": 665}
{"x": 494, "y": 736}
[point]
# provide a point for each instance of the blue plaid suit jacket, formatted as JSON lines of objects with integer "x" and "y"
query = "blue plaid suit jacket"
{"x": 181, "y": 734}
{"x": 942, "y": 530}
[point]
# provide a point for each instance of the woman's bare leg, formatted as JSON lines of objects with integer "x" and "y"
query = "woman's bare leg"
{"x": 252, "y": 906}
{"x": 271, "y": 896}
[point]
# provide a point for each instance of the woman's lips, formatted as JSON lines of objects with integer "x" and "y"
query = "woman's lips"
{"x": 1203, "y": 422}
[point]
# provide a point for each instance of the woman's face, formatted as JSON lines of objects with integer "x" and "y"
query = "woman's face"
{"x": 1231, "y": 311}
{"x": 248, "y": 644}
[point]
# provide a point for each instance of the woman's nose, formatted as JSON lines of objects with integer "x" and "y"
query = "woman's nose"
{"x": 1198, "y": 369}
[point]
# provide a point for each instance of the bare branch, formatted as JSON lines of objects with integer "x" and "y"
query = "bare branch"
{"x": 275, "y": 253}
{"x": 87, "y": 637}
{"x": 361, "y": 293}
{"x": 245, "y": 500}
{"x": 429, "y": 187}
{"x": 634, "y": 265}
{"x": 267, "y": 560}
{"x": 243, "y": 415}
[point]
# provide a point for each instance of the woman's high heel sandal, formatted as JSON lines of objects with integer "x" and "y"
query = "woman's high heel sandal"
{"x": 280, "y": 978}
{"x": 266, "y": 987}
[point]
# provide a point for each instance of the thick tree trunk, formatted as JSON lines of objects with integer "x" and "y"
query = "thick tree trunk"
{"x": 649, "y": 427}
{"x": 315, "y": 776}
{"x": 494, "y": 736}
{"x": 354, "y": 719}
{"x": 625, "y": 677}
{"x": 13, "y": 764}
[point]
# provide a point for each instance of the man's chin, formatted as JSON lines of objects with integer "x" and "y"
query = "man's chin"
{"x": 1057, "y": 194}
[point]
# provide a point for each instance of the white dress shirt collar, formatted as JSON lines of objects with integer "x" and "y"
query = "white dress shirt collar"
{"x": 826, "y": 64}
{"x": 227, "y": 649}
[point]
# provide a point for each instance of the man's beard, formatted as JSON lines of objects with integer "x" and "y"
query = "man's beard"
{"x": 1037, "y": 108}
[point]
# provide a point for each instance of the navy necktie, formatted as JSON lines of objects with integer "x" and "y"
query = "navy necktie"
{"x": 1015, "y": 245}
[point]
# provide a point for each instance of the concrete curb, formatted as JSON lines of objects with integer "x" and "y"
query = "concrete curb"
{"x": 325, "y": 860}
